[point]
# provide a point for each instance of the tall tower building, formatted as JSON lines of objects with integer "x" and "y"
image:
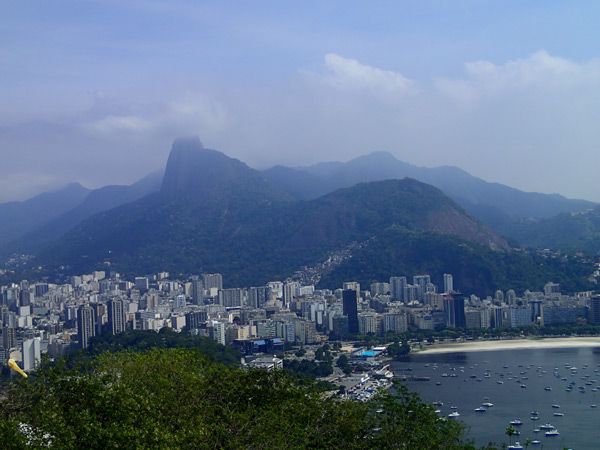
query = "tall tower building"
{"x": 31, "y": 351}
{"x": 86, "y": 325}
{"x": 212, "y": 280}
{"x": 448, "y": 283}
{"x": 116, "y": 316}
{"x": 594, "y": 314}
{"x": 397, "y": 285}
{"x": 350, "y": 309}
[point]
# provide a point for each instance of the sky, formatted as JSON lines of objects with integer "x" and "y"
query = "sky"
{"x": 96, "y": 91}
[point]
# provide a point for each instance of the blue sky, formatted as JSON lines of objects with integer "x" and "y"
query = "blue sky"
{"x": 95, "y": 91}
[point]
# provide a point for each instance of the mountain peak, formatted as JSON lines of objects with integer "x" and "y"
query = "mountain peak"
{"x": 196, "y": 172}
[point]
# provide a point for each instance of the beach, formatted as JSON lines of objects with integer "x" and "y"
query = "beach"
{"x": 509, "y": 344}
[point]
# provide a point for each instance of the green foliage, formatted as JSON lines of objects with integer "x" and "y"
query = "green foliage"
{"x": 165, "y": 338}
{"x": 176, "y": 398}
{"x": 308, "y": 368}
{"x": 398, "y": 350}
{"x": 344, "y": 364}
{"x": 477, "y": 269}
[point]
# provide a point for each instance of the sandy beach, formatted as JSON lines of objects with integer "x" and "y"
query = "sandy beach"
{"x": 509, "y": 344}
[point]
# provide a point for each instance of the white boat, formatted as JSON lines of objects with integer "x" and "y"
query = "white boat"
{"x": 547, "y": 426}
{"x": 487, "y": 404}
{"x": 453, "y": 415}
{"x": 536, "y": 442}
{"x": 516, "y": 422}
{"x": 547, "y": 388}
{"x": 556, "y": 406}
{"x": 552, "y": 433}
{"x": 481, "y": 409}
{"x": 593, "y": 406}
{"x": 559, "y": 414}
{"x": 515, "y": 446}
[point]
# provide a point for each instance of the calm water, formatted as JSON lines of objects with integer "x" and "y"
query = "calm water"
{"x": 579, "y": 427}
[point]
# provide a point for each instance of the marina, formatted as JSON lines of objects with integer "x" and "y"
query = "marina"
{"x": 557, "y": 409}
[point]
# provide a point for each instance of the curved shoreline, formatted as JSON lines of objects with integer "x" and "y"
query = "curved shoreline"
{"x": 509, "y": 344}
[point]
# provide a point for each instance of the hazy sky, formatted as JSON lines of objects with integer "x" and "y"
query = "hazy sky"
{"x": 95, "y": 91}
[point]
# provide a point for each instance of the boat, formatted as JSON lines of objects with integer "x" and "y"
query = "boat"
{"x": 515, "y": 446}
{"x": 438, "y": 403}
{"x": 487, "y": 404}
{"x": 516, "y": 422}
{"x": 500, "y": 382}
{"x": 534, "y": 413}
{"x": 536, "y": 442}
{"x": 556, "y": 406}
{"x": 523, "y": 386}
{"x": 481, "y": 409}
{"x": 536, "y": 430}
{"x": 438, "y": 383}
{"x": 453, "y": 415}
{"x": 547, "y": 426}
{"x": 593, "y": 406}
{"x": 552, "y": 433}
{"x": 547, "y": 388}
{"x": 535, "y": 417}
{"x": 454, "y": 408}
{"x": 559, "y": 414}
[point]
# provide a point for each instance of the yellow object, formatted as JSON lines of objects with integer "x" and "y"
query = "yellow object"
{"x": 14, "y": 366}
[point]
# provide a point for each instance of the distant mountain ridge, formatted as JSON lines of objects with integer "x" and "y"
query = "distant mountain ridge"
{"x": 18, "y": 218}
{"x": 214, "y": 213}
{"x": 493, "y": 203}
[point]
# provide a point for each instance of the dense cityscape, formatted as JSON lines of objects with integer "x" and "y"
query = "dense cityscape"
{"x": 51, "y": 318}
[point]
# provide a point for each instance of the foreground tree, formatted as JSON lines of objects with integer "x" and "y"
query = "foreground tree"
{"x": 176, "y": 398}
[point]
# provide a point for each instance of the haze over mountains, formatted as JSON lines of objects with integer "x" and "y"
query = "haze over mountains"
{"x": 214, "y": 213}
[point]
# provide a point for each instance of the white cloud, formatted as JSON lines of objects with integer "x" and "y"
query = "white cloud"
{"x": 540, "y": 72}
{"x": 350, "y": 74}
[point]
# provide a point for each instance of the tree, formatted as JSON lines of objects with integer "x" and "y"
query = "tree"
{"x": 344, "y": 364}
{"x": 177, "y": 398}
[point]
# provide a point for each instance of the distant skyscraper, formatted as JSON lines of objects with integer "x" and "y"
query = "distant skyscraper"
{"x": 31, "y": 352}
{"x": 86, "y": 325}
{"x": 197, "y": 291}
{"x": 397, "y": 285}
{"x": 212, "y": 280}
{"x": 594, "y": 315}
{"x": 116, "y": 316}
{"x": 350, "y": 309}
{"x": 448, "y": 283}
{"x": 421, "y": 281}
{"x": 9, "y": 337}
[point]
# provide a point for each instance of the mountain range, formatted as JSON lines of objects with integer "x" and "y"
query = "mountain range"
{"x": 214, "y": 213}
{"x": 493, "y": 203}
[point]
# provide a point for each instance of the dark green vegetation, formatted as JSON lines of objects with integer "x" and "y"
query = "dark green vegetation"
{"x": 166, "y": 338}
{"x": 177, "y": 398}
{"x": 492, "y": 203}
{"x": 215, "y": 214}
{"x": 477, "y": 268}
{"x": 569, "y": 232}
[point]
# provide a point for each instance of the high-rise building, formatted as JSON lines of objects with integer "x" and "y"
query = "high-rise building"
{"x": 355, "y": 285}
{"x": 594, "y": 314}
{"x": 197, "y": 290}
{"x": 86, "y": 325}
{"x": 290, "y": 291}
{"x": 142, "y": 283}
{"x": 448, "y": 283}
{"x": 397, "y": 285}
{"x": 116, "y": 316}
{"x": 31, "y": 351}
{"x": 421, "y": 281}
{"x": 9, "y": 337}
{"x": 258, "y": 296}
{"x": 350, "y": 308}
{"x": 212, "y": 280}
